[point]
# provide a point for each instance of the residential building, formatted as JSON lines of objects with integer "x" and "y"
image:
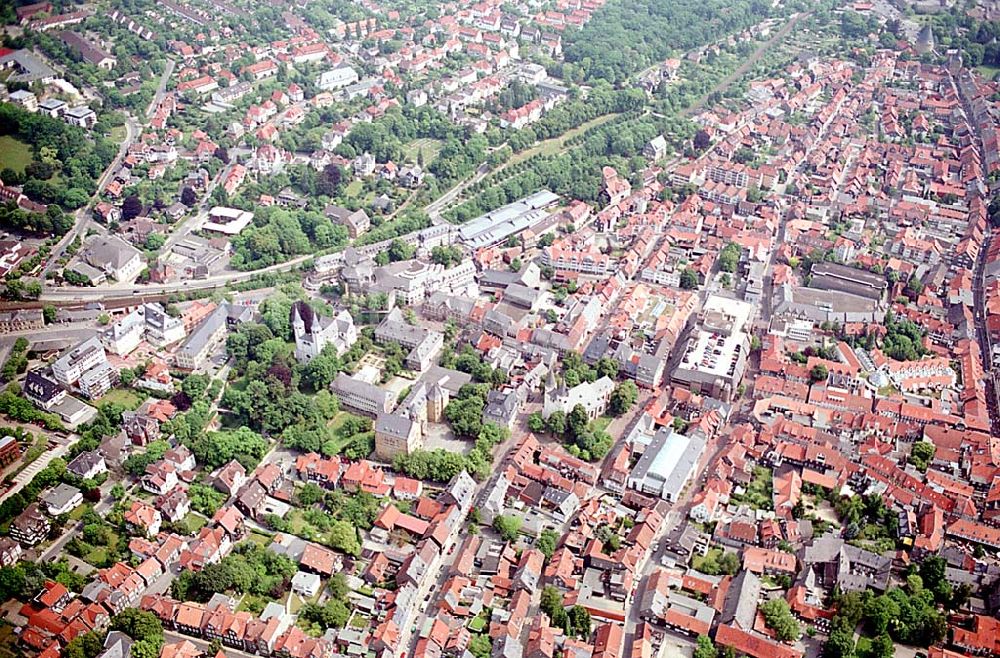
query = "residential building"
{"x": 62, "y": 499}
{"x": 30, "y": 526}
{"x": 74, "y": 362}
{"x": 203, "y": 341}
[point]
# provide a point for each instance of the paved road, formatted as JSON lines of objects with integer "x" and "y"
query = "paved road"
{"x": 434, "y": 208}
{"x": 978, "y": 288}
{"x": 194, "y": 223}
{"x": 122, "y": 290}
{"x": 669, "y": 531}
{"x": 161, "y": 89}
{"x": 430, "y": 587}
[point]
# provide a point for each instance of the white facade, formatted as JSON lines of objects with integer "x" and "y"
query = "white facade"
{"x": 68, "y": 368}
{"x": 98, "y": 380}
{"x": 124, "y": 336}
{"x": 592, "y": 396}
{"x": 667, "y": 465}
{"x": 337, "y": 78}
{"x": 338, "y": 331}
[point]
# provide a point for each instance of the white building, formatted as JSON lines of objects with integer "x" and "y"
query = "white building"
{"x": 337, "y": 78}
{"x": 114, "y": 257}
{"x": 667, "y": 465}
{"x": 314, "y": 332}
{"x": 306, "y": 584}
{"x": 62, "y": 499}
{"x": 72, "y": 363}
{"x": 592, "y": 396}
{"x": 124, "y": 336}
{"x": 161, "y": 327}
{"x": 98, "y": 380}
{"x": 228, "y": 221}
{"x": 25, "y": 99}
{"x": 715, "y": 357}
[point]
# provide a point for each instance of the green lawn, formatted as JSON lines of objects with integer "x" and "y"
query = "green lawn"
{"x": 699, "y": 562}
{"x": 477, "y": 624}
{"x": 988, "y": 72}
{"x": 339, "y": 420}
{"x": 194, "y": 522}
{"x": 252, "y": 604}
{"x": 97, "y": 557}
{"x": 430, "y": 147}
{"x": 354, "y": 188}
{"x": 759, "y": 493}
{"x": 260, "y": 539}
{"x": 14, "y": 154}
{"x": 118, "y": 134}
{"x": 123, "y": 396}
{"x": 601, "y": 424}
{"x": 555, "y": 145}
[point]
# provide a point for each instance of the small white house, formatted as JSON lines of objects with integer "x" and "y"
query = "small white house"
{"x": 63, "y": 499}
{"x": 306, "y": 584}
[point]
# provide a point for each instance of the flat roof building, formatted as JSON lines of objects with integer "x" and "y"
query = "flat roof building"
{"x": 667, "y": 464}
{"x": 716, "y": 354}
{"x": 496, "y": 225}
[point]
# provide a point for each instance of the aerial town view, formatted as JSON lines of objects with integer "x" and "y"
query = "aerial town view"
{"x": 500, "y": 329}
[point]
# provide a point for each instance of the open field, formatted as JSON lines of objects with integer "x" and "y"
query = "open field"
{"x": 556, "y": 144}
{"x": 988, "y": 72}
{"x": 125, "y": 397}
{"x": 14, "y": 154}
{"x": 430, "y": 147}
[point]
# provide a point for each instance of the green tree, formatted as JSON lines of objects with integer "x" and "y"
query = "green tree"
{"x": 12, "y": 582}
{"x": 88, "y": 645}
{"x": 536, "y": 423}
{"x": 509, "y": 526}
{"x": 689, "y": 279}
{"x": 577, "y": 421}
{"x": 579, "y": 621}
{"x": 729, "y": 257}
{"x": 819, "y": 373}
{"x": 921, "y": 454}
{"x": 344, "y": 537}
{"x": 623, "y": 397}
{"x": 607, "y": 367}
{"x": 143, "y": 627}
{"x": 481, "y": 646}
{"x": 840, "y": 644}
{"x": 547, "y": 541}
{"x": 556, "y": 423}
{"x": 778, "y": 617}
{"x": 729, "y": 563}
{"x": 705, "y": 648}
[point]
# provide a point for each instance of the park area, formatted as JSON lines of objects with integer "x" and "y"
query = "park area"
{"x": 14, "y": 154}
{"x": 429, "y": 147}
